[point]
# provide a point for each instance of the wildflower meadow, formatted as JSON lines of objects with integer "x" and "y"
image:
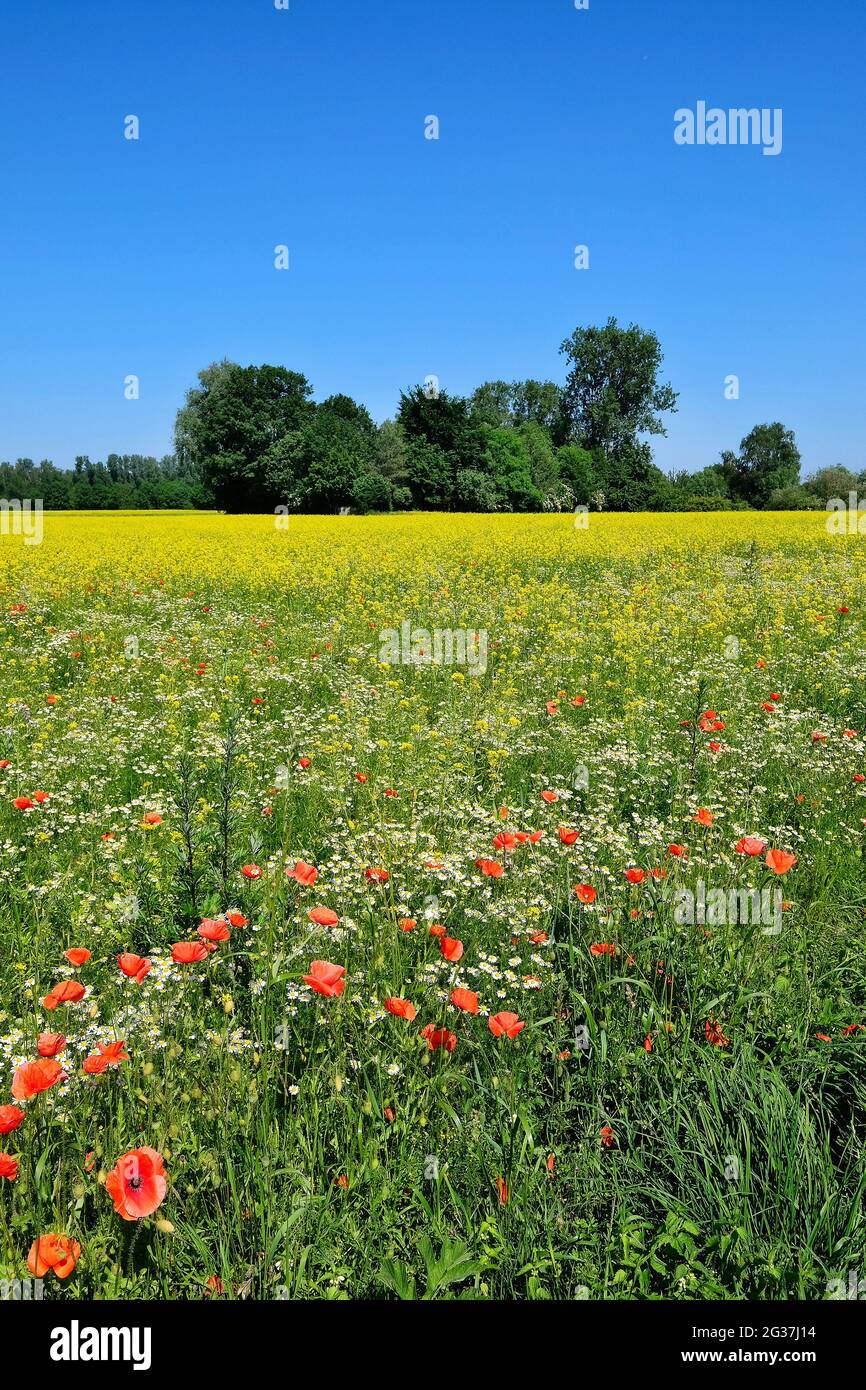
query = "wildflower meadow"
{"x": 432, "y": 907}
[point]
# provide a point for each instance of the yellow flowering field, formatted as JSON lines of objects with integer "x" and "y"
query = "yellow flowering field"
{"x": 432, "y": 906}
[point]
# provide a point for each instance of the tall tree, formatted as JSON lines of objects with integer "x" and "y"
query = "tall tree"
{"x": 768, "y": 461}
{"x": 612, "y": 393}
{"x": 315, "y": 468}
{"x": 445, "y": 421}
{"x": 231, "y": 421}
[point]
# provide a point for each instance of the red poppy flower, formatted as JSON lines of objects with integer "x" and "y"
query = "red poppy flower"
{"x": 136, "y": 1183}
{"x": 749, "y": 844}
{"x": 703, "y": 816}
{"x": 109, "y": 1055}
{"x": 213, "y": 929}
{"x": 779, "y": 861}
{"x": 323, "y": 916}
{"x": 635, "y": 875}
{"x": 53, "y": 1252}
{"x": 568, "y": 836}
{"x": 152, "y": 818}
{"x": 33, "y": 1077}
{"x": 585, "y": 893}
{"x": 8, "y": 1167}
{"x": 251, "y": 871}
{"x": 439, "y": 1038}
{"x": 49, "y": 1044}
{"x": 714, "y": 1033}
{"x": 305, "y": 874}
{"x": 77, "y": 955}
{"x": 491, "y": 868}
{"x": 678, "y": 851}
{"x": 407, "y": 923}
{"x": 325, "y": 978}
{"x": 603, "y": 948}
{"x": 506, "y": 1024}
{"x": 360, "y": 777}
{"x": 504, "y": 840}
{"x": 400, "y": 1008}
{"x": 436, "y": 929}
{"x": 607, "y": 1136}
{"x": 305, "y": 762}
{"x": 502, "y": 1191}
{"x": 376, "y": 875}
{"x": 23, "y": 803}
{"x": 236, "y": 919}
{"x": 189, "y": 952}
{"x": 451, "y": 948}
{"x": 136, "y": 967}
{"x": 67, "y": 992}
{"x": 10, "y": 1118}
{"x": 465, "y": 999}
{"x": 549, "y": 797}
{"x": 41, "y": 797}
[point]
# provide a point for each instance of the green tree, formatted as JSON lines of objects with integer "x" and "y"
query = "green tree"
{"x": 445, "y": 421}
{"x": 631, "y": 482}
{"x": 315, "y": 467}
{"x": 429, "y": 474}
{"x": 501, "y": 403}
{"x": 232, "y": 421}
{"x": 768, "y": 461}
{"x": 832, "y": 482}
{"x": 392, "y": 456}
{"x": 474, "y": 492}
{"x": 510, "y": 467}
{"x": 577, "y": 472}
{"x": 612, "y": 393}
{"x": 371, "y": 493}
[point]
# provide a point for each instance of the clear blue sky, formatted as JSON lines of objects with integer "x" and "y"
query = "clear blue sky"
{"x": 411, "y": 256}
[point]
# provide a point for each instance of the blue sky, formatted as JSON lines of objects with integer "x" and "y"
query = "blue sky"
{"x": 411, "y": 256}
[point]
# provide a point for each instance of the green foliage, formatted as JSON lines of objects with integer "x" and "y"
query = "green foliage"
{"x": 372, "y": 493}
{"x": 316, "y": 467}
{"x": 768, "y": 460}
{"x": 833, "y": 482}
{"x": 577, "y": 471}
{"x": 474, "y": 492}
{"x": 249, "y": 438}
{"x": 124, "y": 481}
{"x": 612, "y": 393}
{"x": 510, "y": 466}
{"x": 230, "y": 423}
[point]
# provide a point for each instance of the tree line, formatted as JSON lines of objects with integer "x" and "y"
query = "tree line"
{"x": 252, "y": 438}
